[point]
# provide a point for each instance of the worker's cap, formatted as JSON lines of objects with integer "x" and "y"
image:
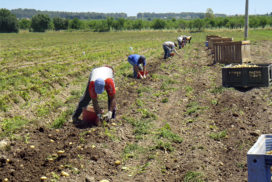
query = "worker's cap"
{"x": 99, "y": 86}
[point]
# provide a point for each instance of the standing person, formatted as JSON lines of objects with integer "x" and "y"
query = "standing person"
{"x": 169, "y": 47}
{"x": 139, "y": 64}
{"x": 180, "y": 41}
{"x": 100, "y": 79}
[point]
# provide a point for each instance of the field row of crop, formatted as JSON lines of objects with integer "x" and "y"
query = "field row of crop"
{"x": 44, "y": 74}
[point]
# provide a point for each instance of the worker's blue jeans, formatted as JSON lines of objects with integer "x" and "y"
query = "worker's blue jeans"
{"x": 180, "y": 44}
{"x": 135, "y": 74}
{"x": 167, "y": 52}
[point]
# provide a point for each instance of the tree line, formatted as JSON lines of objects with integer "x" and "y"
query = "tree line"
{"x": 184, "y": 15}
{"x": 29, "y": 13}
{"x": 42, "y": 22}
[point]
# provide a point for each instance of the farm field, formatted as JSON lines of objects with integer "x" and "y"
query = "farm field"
{"x": 179, "y": 124}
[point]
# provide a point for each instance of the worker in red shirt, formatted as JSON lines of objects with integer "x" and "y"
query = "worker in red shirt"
{"x": 101, "y": 78}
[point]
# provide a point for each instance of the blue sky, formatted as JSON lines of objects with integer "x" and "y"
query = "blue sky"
{"x": 132, "y": 7}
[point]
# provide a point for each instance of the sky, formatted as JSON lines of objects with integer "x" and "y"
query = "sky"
{"x": 132, "y": 7}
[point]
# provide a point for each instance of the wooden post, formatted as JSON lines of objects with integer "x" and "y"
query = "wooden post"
{"x": 246, "y": 21}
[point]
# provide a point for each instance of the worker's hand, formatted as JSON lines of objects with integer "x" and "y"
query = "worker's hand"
{"x": 108, "y": 115}
{"x": 144, "y": 76}
{"x": 141, "y": 76}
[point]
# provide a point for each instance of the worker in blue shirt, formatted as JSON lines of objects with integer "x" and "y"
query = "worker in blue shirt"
{"x": 138, "y": 62}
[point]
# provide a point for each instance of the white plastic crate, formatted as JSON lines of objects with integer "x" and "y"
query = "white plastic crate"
{"x": 258, "y": 161}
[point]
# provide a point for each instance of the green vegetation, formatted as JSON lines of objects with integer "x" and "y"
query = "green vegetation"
{"x": 131, "y": 150}
{"x": 99, "y": 22}
{"x": 40, "y": 23}
{"x": 219, "y": 135}
{"x": 8, "y": 22}
{"x": 24, "y": 24}
{"x": 217, "y": 90}
{"x": 10, "y": 125}
{"x": 165, "y": 132}
{"x": 60, "y": 23}
{"x": 192, "y": 176}
{"x": 141, "y": 127}
{"x": 193, "y": 107}
{"x": 64, "y": 116}
{"x": 165, "y": 146}
{"x": 51, "y": 72}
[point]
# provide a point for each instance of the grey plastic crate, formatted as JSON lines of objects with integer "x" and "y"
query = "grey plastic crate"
{"x": 260, "y": 76}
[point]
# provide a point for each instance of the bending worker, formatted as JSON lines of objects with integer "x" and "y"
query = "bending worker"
{"x": 180, "y": 42}
{"x": 138, "y": 62}
{"x": 169, "y": 47}
{"x": 101, "y": 78}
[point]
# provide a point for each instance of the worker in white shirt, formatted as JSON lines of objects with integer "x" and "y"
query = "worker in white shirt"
{"x": 169, "y": 47}
{"x": 101, "y": 78}
{"x": 180, "y": 41}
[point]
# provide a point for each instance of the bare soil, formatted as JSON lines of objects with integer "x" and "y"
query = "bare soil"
{"x": 91, "y": 152}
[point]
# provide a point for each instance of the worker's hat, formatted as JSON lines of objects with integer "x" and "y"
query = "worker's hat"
{"x": 99, "y": 86}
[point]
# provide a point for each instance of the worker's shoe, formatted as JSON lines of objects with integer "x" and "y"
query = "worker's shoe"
{"x": 76, "y": 120}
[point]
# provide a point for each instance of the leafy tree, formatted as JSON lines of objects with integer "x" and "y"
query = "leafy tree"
{"x": 138, "y": 24}
{"x": 110, "y": 21}
{"x": 263, "y": 21}
{"x": 75, "y": 24}
{"x": 40, "y": 22}
{"x": 270, "y": 21}
{"x": 24, "y": 24}
{"x": 158, "y": 24}
{"x": 128, "y": 25}
{"x": 8, "y": 22}
{"x": 210, "y": 23}
{"x": 182, "y": 24}
{"x": 253, "y": 22}
{"x": 119, "y": 24}
{"x": 199, "y": 24}
{"x": 170, "y": 24}
{"x": 231, "y": 24}
{"x": 51, "y": 25}
{"x": 209, "y": 13}
{"x": 101, "y": 26}
{"x": 60, "y": 23}
{"x": 147, "y": 24}
{"x": 240, "y": 22}
{"x": 191, "y": 25}
{"x": 226, "y": 20}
